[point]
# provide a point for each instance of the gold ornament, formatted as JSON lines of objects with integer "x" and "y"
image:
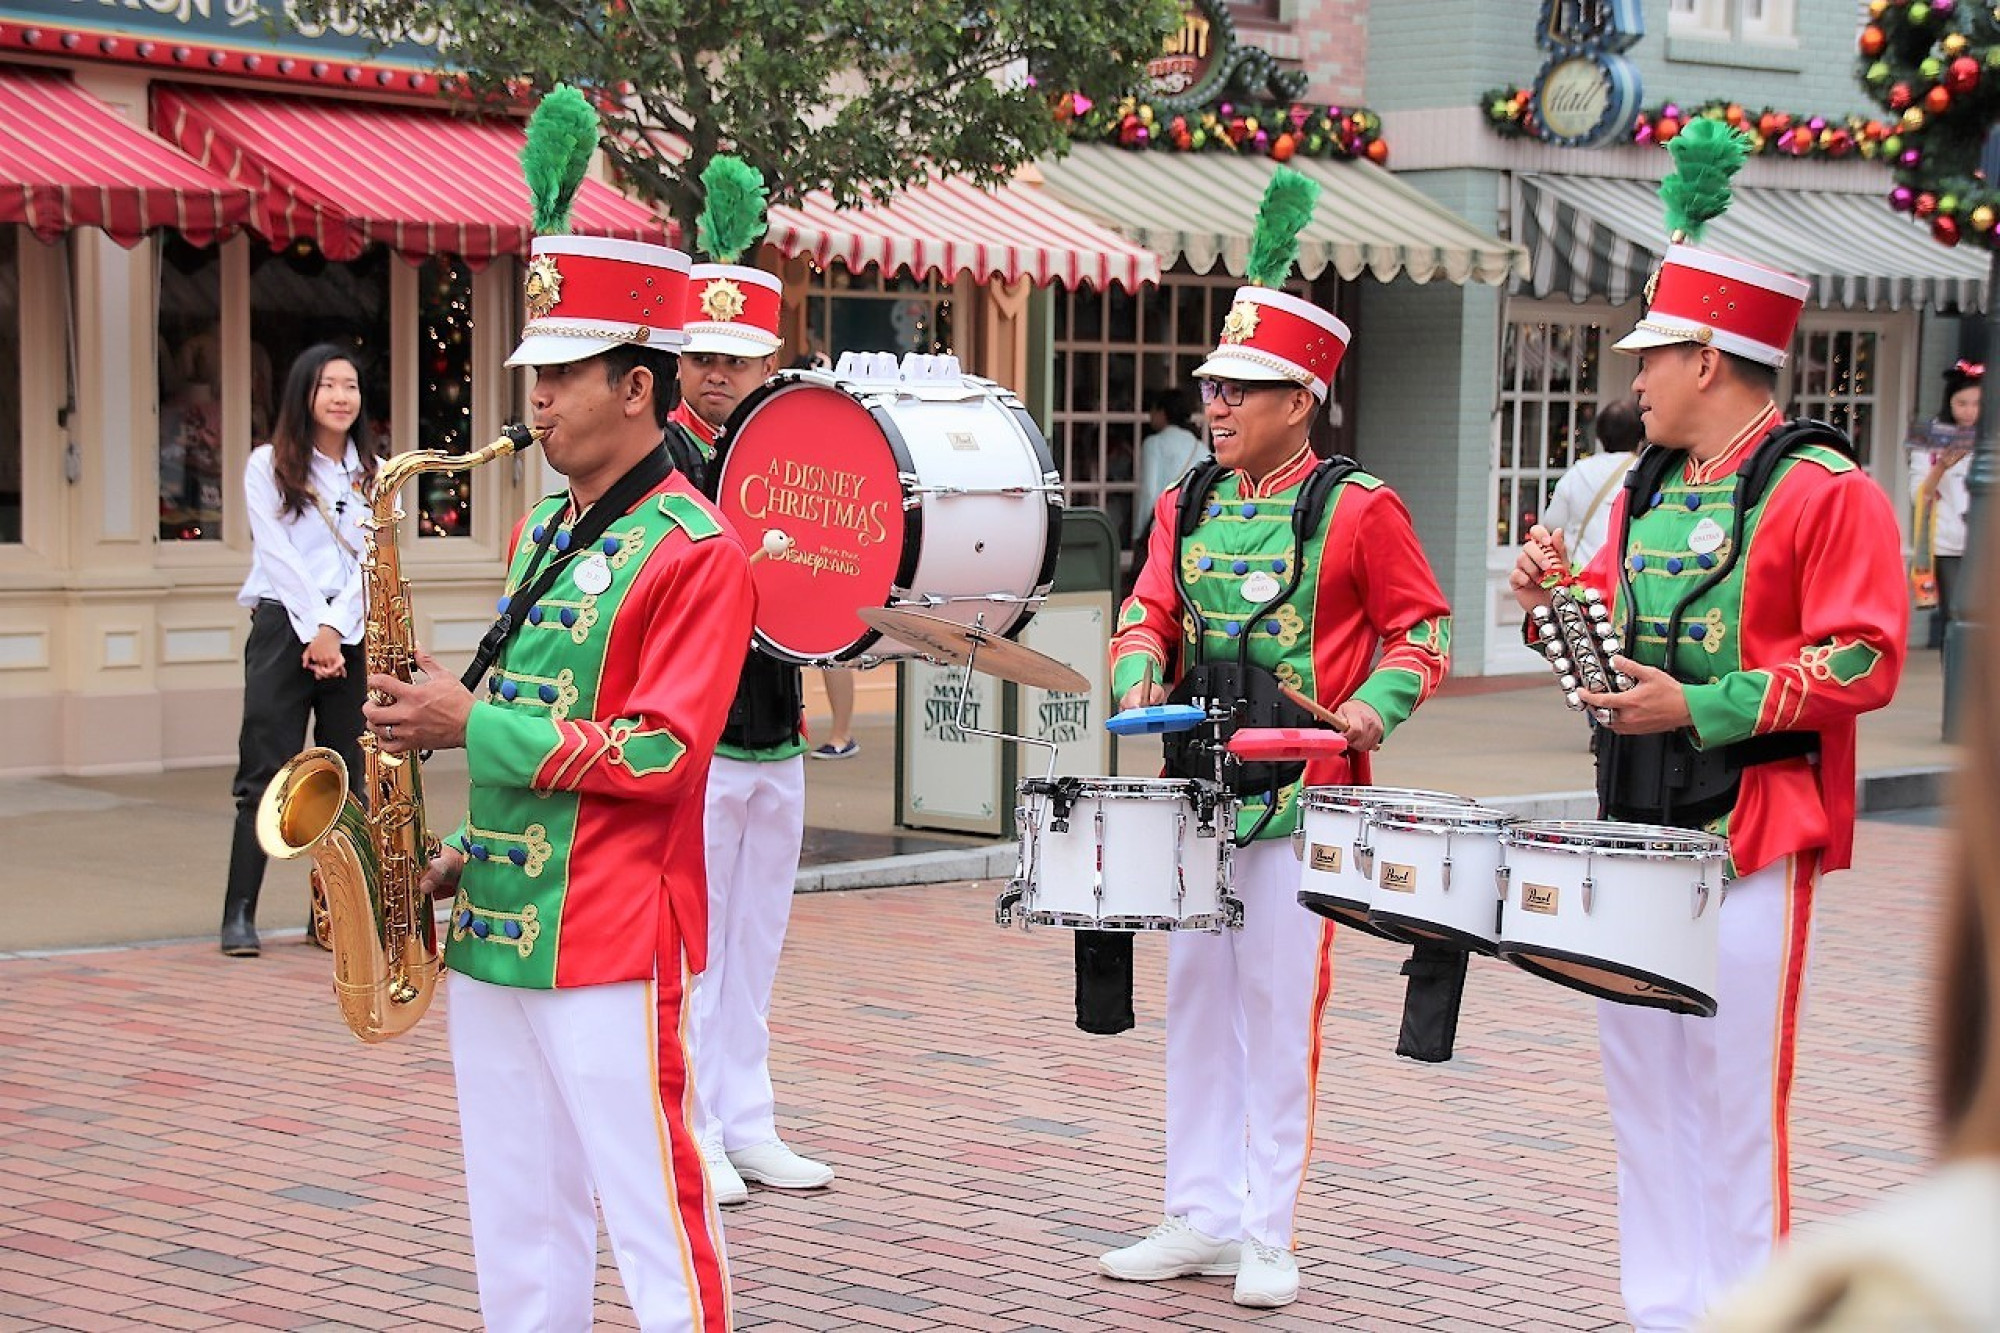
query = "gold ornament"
{"x": 1240, "y": 324}
{"x": 1913, "y": 118}
{"x": 1955, "y": 44}
{"x": 722, "y": 300}
{"x": 544, "y": 286}
{"x": 1982, "y": 218}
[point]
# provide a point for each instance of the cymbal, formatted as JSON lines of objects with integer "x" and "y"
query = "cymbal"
{"x": 951, "y": 643}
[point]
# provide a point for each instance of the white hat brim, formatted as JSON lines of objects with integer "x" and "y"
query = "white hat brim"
{"x": 729, "y": 344}
{"x": 1642, "y": 338}
{"x": 1224, "y": 364}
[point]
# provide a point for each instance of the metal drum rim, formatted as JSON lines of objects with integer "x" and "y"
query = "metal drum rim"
{"x": 1334, "y": 798}
{"x": 1420, "y": 815}
{"x": 1590, "y": 835}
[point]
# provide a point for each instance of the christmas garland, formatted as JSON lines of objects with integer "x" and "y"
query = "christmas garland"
{"x": 1510, "y": 113}
{"x": 1251, "y": 130}
{"x": 1936, "y": 64}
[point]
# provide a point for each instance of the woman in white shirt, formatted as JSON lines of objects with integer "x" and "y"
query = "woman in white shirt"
{"x": 306, "y": 494}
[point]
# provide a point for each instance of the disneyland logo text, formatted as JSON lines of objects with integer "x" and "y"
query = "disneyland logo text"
{"x": 810, "y": 493}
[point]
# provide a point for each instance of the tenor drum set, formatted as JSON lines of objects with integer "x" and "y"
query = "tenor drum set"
{"x": 921, "y": 511}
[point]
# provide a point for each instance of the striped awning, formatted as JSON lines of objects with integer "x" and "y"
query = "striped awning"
{"x": 67, "y": 160}
{"x": 1200, "y": 207}
{"x": 1591, "y": 237}
{"x": 950, "y": 226}
{"x": 346, "y": 175}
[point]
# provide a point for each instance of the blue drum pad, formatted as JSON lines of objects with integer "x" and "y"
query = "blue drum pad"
{"x": 1155, "y": 719}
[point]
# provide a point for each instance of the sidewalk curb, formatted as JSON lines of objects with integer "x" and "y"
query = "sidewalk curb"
{"x": 1882, "y": 790}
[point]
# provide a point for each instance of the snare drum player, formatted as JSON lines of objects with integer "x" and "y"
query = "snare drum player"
{"x": 578, "y": 898}
{"x": 1232, "y": 598}
{"x": 756, "y": 813}
{"x": 1757, "y": 575}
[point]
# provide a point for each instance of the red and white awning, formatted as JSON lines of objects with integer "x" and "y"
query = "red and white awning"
{"x": 67, "y": 160}
{"x": 346, "y": 175}
{"x": 950, "y": 226}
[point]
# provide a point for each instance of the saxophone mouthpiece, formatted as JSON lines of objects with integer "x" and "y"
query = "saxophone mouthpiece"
{"x": 519, "y": 437}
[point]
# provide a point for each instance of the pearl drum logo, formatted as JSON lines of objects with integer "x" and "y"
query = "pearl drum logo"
{"x": 1324, "y": 858}
{"x": 1587, "y": 92}
{"x": 1398, "y": 879}
{"x": 1540, "y": 898}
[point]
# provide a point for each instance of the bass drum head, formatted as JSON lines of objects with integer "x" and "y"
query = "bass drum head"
{"x": 803, "y": 456}
{"x": 1611, "y": 981}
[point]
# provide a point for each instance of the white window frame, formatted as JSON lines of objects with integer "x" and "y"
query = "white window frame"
{"x": 1730, "y": 21}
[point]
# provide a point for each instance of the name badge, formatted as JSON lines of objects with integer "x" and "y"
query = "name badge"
{"x": 1260, "y": 588}
{"x": 1707, "y": 537}
{"x": 593, "y": 574}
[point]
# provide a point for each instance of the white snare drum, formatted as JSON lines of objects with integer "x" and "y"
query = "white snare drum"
{"x": 901, "y": 485}
{"x": 1333, "y": 841}
{"x": 1123, "y": 854}
{"x": 1625, "y": 912}
{"x": 1437, "y": 875}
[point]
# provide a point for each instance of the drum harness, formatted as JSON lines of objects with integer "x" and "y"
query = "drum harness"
{"x": 1662, "y": 778}
{"x": 1253, "y": 690}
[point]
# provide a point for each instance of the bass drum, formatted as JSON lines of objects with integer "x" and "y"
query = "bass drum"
{"x": 901, "y": 484}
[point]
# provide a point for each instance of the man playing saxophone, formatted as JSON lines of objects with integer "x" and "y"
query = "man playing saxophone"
{"x": 577, "y": 882}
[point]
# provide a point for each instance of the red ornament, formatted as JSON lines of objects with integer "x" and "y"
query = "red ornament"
{"x": 1900, "y": 96}
{"x": 1378, "y": 152}
{"x": 1283, "y": 147}
{"x": 1938, "y": 100}
{"x": 1872, "y": 41}
{"x": 1665, "y": 128}
{"x": 1962, "y": 75}
{"x": 1926, "y": 204}
{"x": 1944, "y": 229}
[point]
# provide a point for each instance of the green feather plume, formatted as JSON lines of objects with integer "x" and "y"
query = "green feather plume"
{"x": 1274, "y": 242}
{"x": 562, "y": 134}
{"x": 732, "y": 213}
{"x": 1706, "y": 154}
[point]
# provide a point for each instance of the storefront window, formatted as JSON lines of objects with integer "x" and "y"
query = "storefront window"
{"x": 297, "y": 298}
{"x": 1835, "y": 378}
{"x": 189, "y": 351}
{"x": 1549, "y": 391}
{"x": 849, "y": 312}
{"x": 1113, "y": 351}
{"x": 444, "y": 393}
{"x": 10, "y": 386}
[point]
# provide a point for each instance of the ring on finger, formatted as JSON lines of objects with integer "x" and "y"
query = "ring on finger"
{"x": 388, "y": 731}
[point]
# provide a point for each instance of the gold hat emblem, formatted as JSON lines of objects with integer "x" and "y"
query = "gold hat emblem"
{"x": 723, "y": 300}
{"x": 544, "y": 286}
{"x": 1240, "y": 324}
{"x": 1653, "y": 283}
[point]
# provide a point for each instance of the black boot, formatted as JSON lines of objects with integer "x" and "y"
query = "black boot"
{"x": 246, "y": 877}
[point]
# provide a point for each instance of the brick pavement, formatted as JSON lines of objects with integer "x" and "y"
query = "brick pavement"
{"x": 187, "y": 1142}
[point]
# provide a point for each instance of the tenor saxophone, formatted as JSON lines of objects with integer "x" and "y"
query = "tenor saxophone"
{"x": 370, "y": 852}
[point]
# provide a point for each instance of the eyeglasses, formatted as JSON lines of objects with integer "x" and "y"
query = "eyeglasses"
{"x": 1231, "y": 391}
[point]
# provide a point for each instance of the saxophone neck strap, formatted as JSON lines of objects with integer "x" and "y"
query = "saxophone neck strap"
{"x": 614, "y": 504}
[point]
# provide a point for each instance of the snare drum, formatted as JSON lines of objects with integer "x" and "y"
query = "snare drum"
{"x": 1332, "y": 839}
{"x": 1625, "y": 912}
{"x": 1124, "y": 854}
{"x": 1437, "y": 877}
{"x": 901, "y": 485}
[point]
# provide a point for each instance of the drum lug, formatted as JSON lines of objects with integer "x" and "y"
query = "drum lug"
{"x": 1097, "y": 880}
{"x": 1180, "y": 873}
{"x": 1003, "y": 906}
{"x": 1503, "y": 880}
{"x": 1299, "y": 841}
{"x": 1364, "y": 858}
{"x": 1700, "y": 898}
{"x": 1232, "y": 912}
{"x": 1589, "y": 893}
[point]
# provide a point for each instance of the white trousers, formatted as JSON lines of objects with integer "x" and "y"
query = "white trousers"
{"x": 1243, "y": 1022}
{"x": 754, "y": 822}
{"x": 1701, "y": 1109}
{"x": 559, "y": 1101}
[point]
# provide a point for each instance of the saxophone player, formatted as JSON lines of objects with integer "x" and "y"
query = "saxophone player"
{"x": 577, "y": 882}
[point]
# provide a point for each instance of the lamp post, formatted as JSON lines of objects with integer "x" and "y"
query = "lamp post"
{"x": 1969, "y": 596}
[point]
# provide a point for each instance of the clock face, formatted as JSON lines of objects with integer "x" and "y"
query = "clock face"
{"x": 1574, "y": 96}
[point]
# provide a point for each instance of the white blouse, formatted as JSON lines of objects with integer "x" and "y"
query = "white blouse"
{"x": 295, "y": 558}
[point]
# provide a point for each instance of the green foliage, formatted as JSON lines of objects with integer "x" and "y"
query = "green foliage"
{"x": 562, "y": 134}
{"x": 852, "y": 96}
{"x": 1274, "y": 242}
{"x": 1707, "y": 154}
{"x": 732, "y": 214}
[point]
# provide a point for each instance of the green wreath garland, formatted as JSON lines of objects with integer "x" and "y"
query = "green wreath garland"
{"x": 1510, "y": 113}
{"x": 1936, "y": 65}
{"x": 1271, "y": 130}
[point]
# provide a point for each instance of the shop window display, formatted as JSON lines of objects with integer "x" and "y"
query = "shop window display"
{"x": 444, "y": 393}
{"x": 1550, "y": 384}
{"x": 190, "y": 382}
{"x": 865, "y": 312}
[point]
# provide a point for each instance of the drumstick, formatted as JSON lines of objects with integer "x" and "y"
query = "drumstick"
{"x": 1318, "y": 710}
{"x": 775, "y": 543}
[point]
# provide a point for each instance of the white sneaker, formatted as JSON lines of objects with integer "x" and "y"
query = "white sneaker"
{"x": 1268, "y": 1278}
{"x": 1172, "y": 1249}
{"x": 723, "y": 1182}
{"x": 779, "y": 1167}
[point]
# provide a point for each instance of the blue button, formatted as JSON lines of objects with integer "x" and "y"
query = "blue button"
{"x": 562, "y": 541}
{"x": 509, "y": 690}
{"x": 568, "y": 616}
{"x": 1241, "y": 566}
{"x": 1705, "y": 560}
{"x": 538, "y": 532}
{"x": 1249, "y": 511}
{"x": 480, "y": 852}
{"x": 1638, "y": 562}
{"x": 1272, "y": 626}
{"x": 1657, "y": 497}
{"x": 1204, "y": 564}
{"x": 493, "y": 683}
{"x": 1277, "y": 566}
{"x": 511, "y": 929}
{"x": 1697, "y": 632}
{"x": 1215, "y": 511}
{"x": 534, "y": 615}
{"x": 1659, "y": 627}
{"x": 609, "y": 546}
{"x": 1233, "y": 628}
{"x": 547, "y": 693}
{"x": 481, "y": 930}
{"x": 1693, "y": 502}
{"x": 465, "y": 844}
{"x": 501, "y": 605}
{"x": 1673, "y": 564}
{"x": 517, "y": 856}
{"x": 464, "y": 918}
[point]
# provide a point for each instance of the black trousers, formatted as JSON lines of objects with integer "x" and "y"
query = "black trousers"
{"x": 281, "y": 698}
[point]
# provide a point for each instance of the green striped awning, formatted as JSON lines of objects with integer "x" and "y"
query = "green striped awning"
{"x": 1199, "y": 207}
{"x": 1592, "y": 237}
